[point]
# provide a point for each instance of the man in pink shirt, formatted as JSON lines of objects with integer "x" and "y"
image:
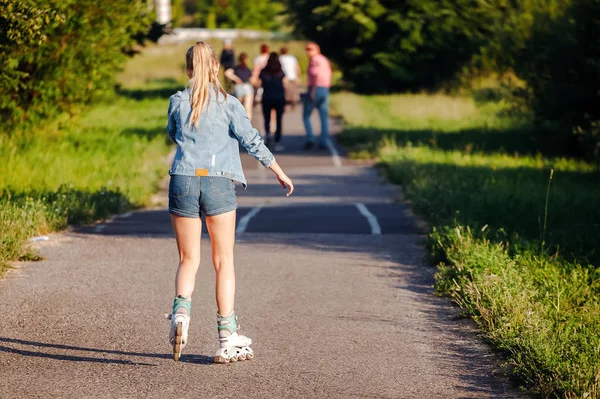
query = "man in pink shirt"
{"x": 319, "y": 82}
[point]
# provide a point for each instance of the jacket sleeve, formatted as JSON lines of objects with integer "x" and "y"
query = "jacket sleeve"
{"x": 172, "y": 117}
{"x": 247, "y": 135}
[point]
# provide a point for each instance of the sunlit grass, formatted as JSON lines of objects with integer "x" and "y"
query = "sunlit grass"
{"x": 118, "y": 146}
{"x": 438, "y": 112}
{"x": 78, "y": 170}
{"x": 481, "y": 181}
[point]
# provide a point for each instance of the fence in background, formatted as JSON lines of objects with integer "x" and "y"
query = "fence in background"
{"x": 188, "y": 34}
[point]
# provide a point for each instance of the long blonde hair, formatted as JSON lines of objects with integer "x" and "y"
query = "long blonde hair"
{"x": 201, "y": 60}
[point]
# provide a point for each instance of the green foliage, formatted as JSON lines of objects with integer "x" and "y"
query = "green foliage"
{"x": 534, "y": 290}
{"x": 57, "y": 54}
{"x": 240, "y": 14}
{"x": 508, "y": 28}
{"x": 561, "y": 65}
{"x": 385, "y": 46}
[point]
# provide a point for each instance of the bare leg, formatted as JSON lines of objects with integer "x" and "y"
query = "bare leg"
{"x": 222, "y": 236}
{"x": 187, "y": 234}
{"x": 273, "y": 120}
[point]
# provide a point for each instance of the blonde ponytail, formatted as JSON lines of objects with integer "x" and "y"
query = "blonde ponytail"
{"x": 201, "y": 60}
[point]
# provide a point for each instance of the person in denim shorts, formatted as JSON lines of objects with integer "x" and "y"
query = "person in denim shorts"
{"x": 243, "y": 90}
{"x": 207, "y": 124}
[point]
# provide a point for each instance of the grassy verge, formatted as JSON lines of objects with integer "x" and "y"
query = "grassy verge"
{"x": 80, "y": 168}
{"x": 517, "y": 250}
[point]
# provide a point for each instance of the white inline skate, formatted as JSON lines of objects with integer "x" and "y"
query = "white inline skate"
{"x": 234, "y": 347}
{"x": 180, "y": 323}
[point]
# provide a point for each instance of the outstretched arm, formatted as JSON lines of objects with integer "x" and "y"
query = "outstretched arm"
{"x": 254, "y": 144}
{"x": 284, "y": 180}
{"x": 247, "y": 135}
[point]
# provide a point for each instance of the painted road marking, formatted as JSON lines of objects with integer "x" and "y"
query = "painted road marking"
{"x": 39, "y": 238}
{"x": 99, "y": 228}
{"x": 126, "y": 215}
{"x": 243, "y": 224}
{"x": 375, "y": 228}
{"x": 337, "y": 161}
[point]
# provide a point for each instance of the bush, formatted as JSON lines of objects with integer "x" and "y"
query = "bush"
{"x": 57, "y": 54}
{"x": 233, "y": 14}
{"x": 386, "y": 46}
{"x": 561, "y": 65}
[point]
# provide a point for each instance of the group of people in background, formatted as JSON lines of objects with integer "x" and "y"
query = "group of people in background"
{"x": 275, "y": 80}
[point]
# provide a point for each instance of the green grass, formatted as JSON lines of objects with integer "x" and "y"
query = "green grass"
{"x": 82, "y": 168}
{"x": 479, "y": 176}
{"x": 79, "y": 170}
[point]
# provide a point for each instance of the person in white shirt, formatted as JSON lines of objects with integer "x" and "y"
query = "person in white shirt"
{"x": 291, "y": 68}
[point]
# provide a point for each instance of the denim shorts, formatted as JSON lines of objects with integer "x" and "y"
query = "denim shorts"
{"x": 189, "y": 196}
{"x": 243, "y": 90}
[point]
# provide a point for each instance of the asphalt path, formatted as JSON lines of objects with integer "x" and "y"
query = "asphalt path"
{"x": 331, "y": 287}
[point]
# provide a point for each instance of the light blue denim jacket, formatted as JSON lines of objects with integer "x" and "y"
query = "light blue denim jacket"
{"x": 213, "y": 147}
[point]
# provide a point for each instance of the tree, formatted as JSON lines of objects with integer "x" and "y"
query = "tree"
{"x": 390, "y": 45}
{"x": 239, "y": 14}
{"x": 60, "y": 53}
{"x": 561, "y": 64}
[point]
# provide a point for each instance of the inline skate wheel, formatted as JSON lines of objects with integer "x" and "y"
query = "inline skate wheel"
{"x": 177, "y": 345}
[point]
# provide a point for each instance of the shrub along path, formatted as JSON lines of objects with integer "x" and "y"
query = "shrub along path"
{"x": 334, "y": 309}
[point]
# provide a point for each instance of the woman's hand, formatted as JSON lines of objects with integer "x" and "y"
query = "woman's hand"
{"x": 286, "y": 182}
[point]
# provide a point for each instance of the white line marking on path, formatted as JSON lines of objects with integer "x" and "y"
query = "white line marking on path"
{"x": 337, "y": 161}
{"x": 125, "y": 215}
{"x": 246, "y": 219}
{"x": 39, "y": 238}
{"x": 375, "y": 229}
{"x": 99, "y": 228}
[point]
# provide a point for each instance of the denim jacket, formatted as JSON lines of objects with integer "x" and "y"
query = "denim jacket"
{"x": 212, "y": 149}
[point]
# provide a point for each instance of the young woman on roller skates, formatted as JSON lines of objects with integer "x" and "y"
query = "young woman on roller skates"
{"x": 206, "y": 124}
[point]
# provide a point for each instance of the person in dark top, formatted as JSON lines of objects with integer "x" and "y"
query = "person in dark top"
{"x": 227, "y": 61}
{"x": 271, "y": 79}
{"x": 227, "y": 55}
{"x": 243, "y": 89}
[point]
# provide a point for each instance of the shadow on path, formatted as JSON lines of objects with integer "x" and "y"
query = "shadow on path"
{"x": 196, "y": 359}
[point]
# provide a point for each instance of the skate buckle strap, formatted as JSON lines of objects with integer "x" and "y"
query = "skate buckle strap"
{"x": 182, "y": 302}
{"x": 228, "y": 323}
